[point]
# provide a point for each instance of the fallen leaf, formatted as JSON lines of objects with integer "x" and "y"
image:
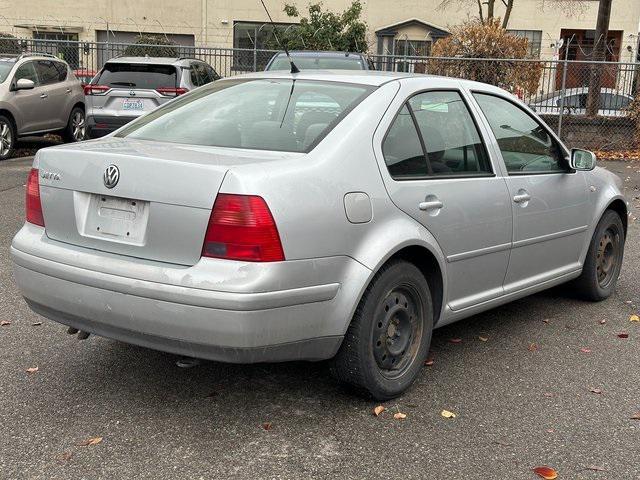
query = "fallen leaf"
{"x": 483, "y": 339}
{"x": 267, "y": 425}
{"x": 428, "y": 362}
{"x": 634, "y": 318}
{"x": 91, "y": 441}
{"x": 623, "y": 335}
{"x": 4, "y": 323}
{"x": 455, "y": 340}
{"x": 378, "y": 410}
{"x": 595, "y": 469}
{"x": 545, "y": 472}
{"x": 32, "y": 369}
{"x": 545, "y": 320}
{"x": 585, "y": 350}
{"x": 399, "y": 416}
{"x": 448, "y": 414}
{"x": 603, "y": 321}
{"x": 635, "y": 416}
{"x": 595, "y": 390}
{"x": 36, "y": 324}
{"x": 533, "y": 347}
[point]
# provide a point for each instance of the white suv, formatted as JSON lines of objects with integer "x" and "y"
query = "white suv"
{"x": 128, "y": 87}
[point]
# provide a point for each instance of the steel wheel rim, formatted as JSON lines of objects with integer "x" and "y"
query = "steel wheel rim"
{"x": 607, "y": 256}
{"x": 5, "y": 139}
{"x": 78, "y": 126}
{"x": 397, "y": 331}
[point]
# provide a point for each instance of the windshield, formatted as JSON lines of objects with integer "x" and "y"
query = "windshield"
{"x": 136, "y": 75}
{"x": 265, "y": 114}
{"x": 321, "y": 62}
{"x": 5, "y": 68}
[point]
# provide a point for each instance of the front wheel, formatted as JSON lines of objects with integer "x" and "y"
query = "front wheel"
{"x": 604, "y": 259}
{"x": 389, "y": 335}
{"x": 76, "y": 127}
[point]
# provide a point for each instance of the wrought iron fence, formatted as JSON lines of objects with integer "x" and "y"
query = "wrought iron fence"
{"x": 557, "y": 89}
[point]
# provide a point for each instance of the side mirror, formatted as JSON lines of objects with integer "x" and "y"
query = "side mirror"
{"x": 25, "y": 84}
{"x": 582, "y": 159}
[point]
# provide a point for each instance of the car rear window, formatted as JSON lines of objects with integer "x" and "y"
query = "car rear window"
{"x": 264, "y": 114}
{"x": 281, "y": 62}
{"x": 136, "y": 75}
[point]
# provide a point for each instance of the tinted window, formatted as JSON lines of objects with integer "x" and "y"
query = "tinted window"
{"x": 449, "y": 133}
{"x": 47, "y": 72}
{"x": 321, "y": 62}
{"x": 266, "y": 114}
{"x": 62, "y": 71}
{"x": 27, "y": 70}
{"x": 195, "y": 75}
{"x": 200, "y": 71}
{"x": 401, "y": 148}
{"x": 525, "y": 144}
{"x": 132, "y": 75}
{"x": 212, "y": 73}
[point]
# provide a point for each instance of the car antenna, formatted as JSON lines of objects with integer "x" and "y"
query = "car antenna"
{"x": 294, "y": 69}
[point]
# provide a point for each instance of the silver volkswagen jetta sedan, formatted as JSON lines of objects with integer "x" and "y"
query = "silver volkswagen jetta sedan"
{"x": 319, "y": 215}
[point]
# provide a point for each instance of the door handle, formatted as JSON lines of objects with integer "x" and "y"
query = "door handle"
{"x": 433, "y": 204}
{"x": 44, "y": 95}
{"x": 521, "y": 197}
{"x": 68, "y": 90}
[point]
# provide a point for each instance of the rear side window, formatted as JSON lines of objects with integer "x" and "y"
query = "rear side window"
{"x": 47, "y": 72}
{"x": 62, "y": 71}
{"x": 264, "y": 114}
{"x": 435, "y": 135}
{"x": 135, "y": 75}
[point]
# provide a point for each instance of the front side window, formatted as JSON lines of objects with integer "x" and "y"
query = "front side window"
{"x": 264, "y": 114}
{"x": 26, "y": 70}
{"x": 525, "y": 144}
{"x": 47, "y": 72}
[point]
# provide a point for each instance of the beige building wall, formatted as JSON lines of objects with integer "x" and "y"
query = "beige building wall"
{"x": 211, "y": 21}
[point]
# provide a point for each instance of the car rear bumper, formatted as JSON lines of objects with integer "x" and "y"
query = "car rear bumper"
{"x": 242, "y": 314}
{"x": 99, "y": 126}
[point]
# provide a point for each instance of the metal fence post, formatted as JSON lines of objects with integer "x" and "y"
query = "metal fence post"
{"x": 564, "y": 88}
{"x": 255, "y": 58}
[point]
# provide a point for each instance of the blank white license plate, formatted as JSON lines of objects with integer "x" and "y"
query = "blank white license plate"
{"x": 133, "y": 104}
{"x": 119, "y": 219}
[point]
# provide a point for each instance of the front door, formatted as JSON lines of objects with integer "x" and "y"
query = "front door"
{"x": 549, "y": 201}
{"x": 441, "y": 175}
{"x": 29, "y": 104}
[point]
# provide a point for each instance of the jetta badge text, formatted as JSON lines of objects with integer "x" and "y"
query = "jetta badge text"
{"x": 111, "y": 176}
{"x": 49, "y": 175}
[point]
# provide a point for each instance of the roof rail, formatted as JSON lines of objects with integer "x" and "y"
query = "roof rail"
{"x": 36, "y": 54}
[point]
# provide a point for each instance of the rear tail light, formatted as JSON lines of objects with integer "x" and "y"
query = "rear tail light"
{"x": 241, "y": 227}
{"x": 171, "y": 92}
{"x": 95, "y": 89}
{"x": 32, "y": 201}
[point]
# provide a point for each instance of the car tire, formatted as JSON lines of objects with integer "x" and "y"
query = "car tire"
{"x": 603, "y": 261}
{"x": 7, "y": 138}
{"x": 76, "y": 129}
{"x": 389, "y": 336}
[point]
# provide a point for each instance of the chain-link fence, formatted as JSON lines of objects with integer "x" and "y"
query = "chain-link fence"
{"x": 558, "y": 90}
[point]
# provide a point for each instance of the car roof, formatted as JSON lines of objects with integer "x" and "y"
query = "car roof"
{"x": 148, "y": 60}
{"x": 363, "y": 77}
{"x": 321, "y": 53}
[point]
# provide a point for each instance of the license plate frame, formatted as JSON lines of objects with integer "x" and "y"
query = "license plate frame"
{"x": 133, "y": 104}
{"x": 117, "y": 219}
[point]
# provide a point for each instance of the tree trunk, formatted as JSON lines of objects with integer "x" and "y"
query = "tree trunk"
{"x": 599, "y": 54}
{"x": 490, "y": 5}
{"x": 480, "y": 11}
{"x": 507, "y": 13}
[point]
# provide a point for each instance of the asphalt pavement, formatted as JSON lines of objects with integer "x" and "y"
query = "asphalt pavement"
{"x": 549, "y": 383}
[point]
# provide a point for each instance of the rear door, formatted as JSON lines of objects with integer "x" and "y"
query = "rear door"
{"x": 438, "y": 171}
{"x": 134, "y": 88}
{"x": 551, "y": 210}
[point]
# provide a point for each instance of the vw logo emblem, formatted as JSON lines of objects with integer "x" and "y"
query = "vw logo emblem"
{"x": 111, "y": 176}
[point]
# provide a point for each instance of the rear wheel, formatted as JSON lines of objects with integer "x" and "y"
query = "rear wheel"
{"x": 76, "y": 127}
{"x": 389, "y": 335}
{"x": 604, "y": 259}
{"x": 7, "y": 138}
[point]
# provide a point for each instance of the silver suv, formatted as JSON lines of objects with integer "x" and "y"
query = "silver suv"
{"x": 128, "y": 87}
{"x": 38, "y": 94}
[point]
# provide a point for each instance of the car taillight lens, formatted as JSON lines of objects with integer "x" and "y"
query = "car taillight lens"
{"x": 95, "y": 89}
{"x": 241, "y": 227}
{"x": 171, "y": 92}
{"x": 32, "y": 201}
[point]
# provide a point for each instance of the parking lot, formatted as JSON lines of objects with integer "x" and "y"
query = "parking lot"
{"x": 546, "y": 380}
